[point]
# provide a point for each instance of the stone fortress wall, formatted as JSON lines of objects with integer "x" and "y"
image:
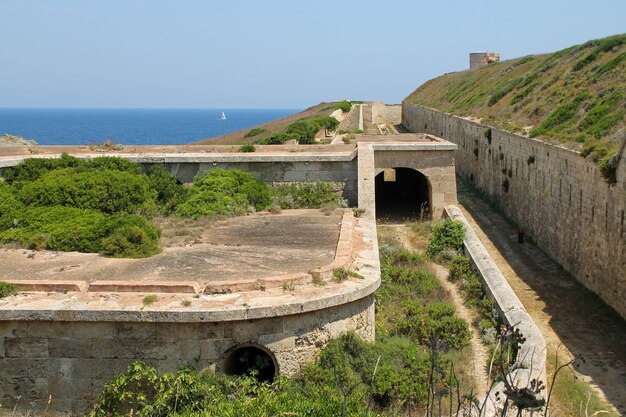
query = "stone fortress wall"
{"x": 72, "y": 360}
{"x": 559, "y": 198}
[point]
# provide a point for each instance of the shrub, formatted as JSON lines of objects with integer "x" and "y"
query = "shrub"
{"x": 447, "y": 235}
{"x": 58, "y": 228}
{"x": 70, "y": 229}
{"x": 10, "y": 206}
{"x": 32, "y": 169}
{"x": 327, "y": 122}
{"x": 460, "y": 267}
{"x": 109, "y": 191}
{"x": 298, "y": 195}
{"x": 143, "y": 391}
{"x": 560, "y": 116}
{"x": 7, "y": 289}
{"x": 344, "y": 106}
{"x": 304, "y": 131}
{"x": 222, "y": 192}
{"x": 130, "y": 236}
{"x": 169, "y": 193}
{"x": 109, "y": 163}
{"x": 254, "y": 132}
{"x": 276, "y": 139}
{"x": 247, "y": 148}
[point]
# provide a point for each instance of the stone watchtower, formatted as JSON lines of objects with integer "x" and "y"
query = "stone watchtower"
{"x": 480, "y": 59}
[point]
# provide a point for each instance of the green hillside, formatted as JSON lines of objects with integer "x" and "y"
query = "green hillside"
{"x": 576, "y": 96}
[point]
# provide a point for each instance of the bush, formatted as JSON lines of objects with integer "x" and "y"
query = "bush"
{"x": 447, "y": 235}
{"x": 276, "y": 139}
{"x": 247, "y": 148}
{"x": 460, "y": 267}
{"x": 299, "y": 195}
{"x": 32, "y": 169}
{"x": 143, "y": 392}
{"x": 70, "y": 229}
{"x": 7, "y": 289}
{"x": 344, "y": 106}
{"x": 304, "y": 131}
{"x": 109, "y": 191}
{"x": 222, "y": 192}
{"x": 109, "y": 163}
{"x": 10, "y": 206}
{"x": 254, "y": 132}
{"x": 58, "y": 228}
{"x": 130, "y": 236}
{"x": 169, "y": 193}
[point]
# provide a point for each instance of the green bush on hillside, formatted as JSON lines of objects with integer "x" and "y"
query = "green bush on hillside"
{"x": 254, "y": 132}
{"x": 344, "y": 106}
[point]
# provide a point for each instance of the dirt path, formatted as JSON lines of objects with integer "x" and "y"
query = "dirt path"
{"x": 403, "y": 235}
{"x": 564, "y": 310}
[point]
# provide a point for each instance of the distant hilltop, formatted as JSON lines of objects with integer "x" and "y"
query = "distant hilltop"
{"x": 575, "y": 97}
{"x": 14, "y": 140}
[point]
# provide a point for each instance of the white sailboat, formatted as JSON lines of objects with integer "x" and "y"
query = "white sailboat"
{"x": 223, "y": 116}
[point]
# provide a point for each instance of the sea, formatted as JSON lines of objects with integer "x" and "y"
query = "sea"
{"x": 130, "y": 126}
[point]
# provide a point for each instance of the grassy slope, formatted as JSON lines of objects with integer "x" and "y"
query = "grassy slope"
{"x": 576, "y": 95}
{"x": 275, "y": 126}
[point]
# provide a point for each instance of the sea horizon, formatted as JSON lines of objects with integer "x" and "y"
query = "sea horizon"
{"x": 130, "y": 126}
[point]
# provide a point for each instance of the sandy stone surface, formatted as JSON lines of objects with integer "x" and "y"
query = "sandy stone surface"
{"x": 254, "y": 246}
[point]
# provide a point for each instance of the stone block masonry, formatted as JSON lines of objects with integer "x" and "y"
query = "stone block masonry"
{"x": 559, "y": 198}
{"x": 72, "y": 360}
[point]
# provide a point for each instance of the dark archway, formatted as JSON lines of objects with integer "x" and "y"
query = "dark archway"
{"x": 246, "y": 360}
{"x": 402, "y": 194}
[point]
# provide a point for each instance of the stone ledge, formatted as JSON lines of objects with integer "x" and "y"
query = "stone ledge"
{"x": 189, "y": 157}
{"x": 49, "y": 286}
{"x": 185, "y": 287}
{"x": 531, "y": 357}
{"x": 273, "y": 301}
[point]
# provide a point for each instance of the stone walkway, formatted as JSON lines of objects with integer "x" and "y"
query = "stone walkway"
{"x": 566, "y": 312}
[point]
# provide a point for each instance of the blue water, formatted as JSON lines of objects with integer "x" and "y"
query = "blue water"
{"x": 130, "y": 126}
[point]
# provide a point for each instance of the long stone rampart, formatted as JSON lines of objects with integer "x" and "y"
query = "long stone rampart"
{"x": 531, "y": 356}
{"x": 559, "y": 198}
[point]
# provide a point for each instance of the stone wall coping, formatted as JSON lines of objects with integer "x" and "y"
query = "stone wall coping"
{"x": 268, "y": 300}
{"x": 437, "y": 146}
{"x": 212, "y": 157}
{"x": 532, "y": 354}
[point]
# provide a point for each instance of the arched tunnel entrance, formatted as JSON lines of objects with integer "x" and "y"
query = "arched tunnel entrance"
{"x": 402, "y": 194}
{"x": 246, "y": 360}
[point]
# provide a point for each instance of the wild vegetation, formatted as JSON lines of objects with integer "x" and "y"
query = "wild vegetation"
{"x": 573, "y": 96}
{"x": 274, "y": 127}
{"x": 302, "y": 131}
{"x": 7, "y": 289}
{"x": 106, "y": 204}
{"x": 409, "y": 366}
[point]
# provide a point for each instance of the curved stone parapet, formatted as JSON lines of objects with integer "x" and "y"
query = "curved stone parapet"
{"x": 56, "y": 337}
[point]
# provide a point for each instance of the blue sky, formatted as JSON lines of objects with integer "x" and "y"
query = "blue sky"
{"x": 266, "y": 53}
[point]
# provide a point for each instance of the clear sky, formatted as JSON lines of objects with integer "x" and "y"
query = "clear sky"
{"x": 267, "y": 53}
